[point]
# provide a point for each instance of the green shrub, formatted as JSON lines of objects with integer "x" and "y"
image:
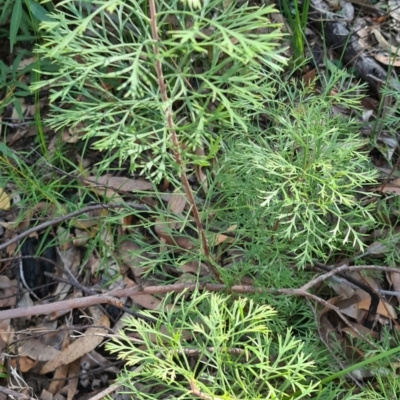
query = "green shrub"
{"x": 221, "y": 348}
{"x": 298, "y": 186}
{"x": 215, "y": 62}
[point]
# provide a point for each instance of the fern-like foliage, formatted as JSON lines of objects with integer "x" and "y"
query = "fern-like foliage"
{"x": 216, "y": 62}
{"x": 215, "y": 347}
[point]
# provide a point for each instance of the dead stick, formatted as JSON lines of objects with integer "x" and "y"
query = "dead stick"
{"x": 112, "y": 298}
{"x": 59, "y": 306}
{"x": 66, "y": 217}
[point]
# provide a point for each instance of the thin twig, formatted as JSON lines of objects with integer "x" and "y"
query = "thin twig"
{"x": 344, "y": 268}
{"x": 106, "y": 391}
{"x": 18, "y": 395}
{"x": 175, "y": 140}
{"x": 68, "y": 216}
{"x": 80, "y": 302}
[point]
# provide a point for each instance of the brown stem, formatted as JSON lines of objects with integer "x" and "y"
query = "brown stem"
{"x": 175, "y": 140}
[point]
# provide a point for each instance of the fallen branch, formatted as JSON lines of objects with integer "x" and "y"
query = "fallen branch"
{"x": 80, "y": 302}
{"x": 113, "y": 296}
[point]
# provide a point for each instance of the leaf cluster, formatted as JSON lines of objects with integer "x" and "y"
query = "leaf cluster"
{"x": 300, "y": 185}
{"x": 216, "y": 346}
{"x": 216, "y": 63}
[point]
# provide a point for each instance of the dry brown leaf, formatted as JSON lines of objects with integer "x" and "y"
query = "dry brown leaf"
{"x": 247, "y": 280}
{"x": 126, "y": 222}
{"x": 78, "y": 348}
{"x": 91, "y": 221}
{"x": 309, "y": 77}
{"x": 370, "y": 103}
{"x": 8, "y": 292}
{"x": 61, "y": 372}
{"x": 334, "y": 301}
{"x": 6, "y": 333}
{"x": 177, "y": 203}
{"x": 25, "y": 62}
{"x": 37, "y": 350}
{"x": 362, "y": 329}
{"x": 393, "y": 50}
{"x": 26, "y": 363}
{"x": 71, "y": 259}
{"x": 165, "y": 228}
{"x": 220, "y": 238}
{"x": 147, "y": 301}
{"x": 74, "y": 134}
{"x": 327, "y": 330}
{"x": 63, "y": 238}
{"x": 116, "y": 185}
{"x": 19, "y": 134}
{"x": 162, "y": 229}
{"x": 350, "y": 308}
{"x": 202, "y": 178}
{"x": 200, "y": 175}
{"x": 132, "y": 255}
{"x": 81, "y": 237}
{"x": 342, "y": 289}
{"x": 394, "y": 278}
{"x": 391, "y": 187}
{"x": 10, "y": 250}
{"x": 73, "y": 378}
{"x": 186, "y": 278}
{"x": 45, "y": 395}
{"x": 193, "y": 267}
{"x": 384, "y": 308}
{"x": 108, "y": 241}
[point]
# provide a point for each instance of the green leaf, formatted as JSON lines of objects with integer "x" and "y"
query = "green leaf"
{"x": 5, "y": 150}
{"x": 38, "y": 11}
{"x": 18, "y": 108}
{"x": 5, "y": 11}
{"x": 15, "y": 22}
